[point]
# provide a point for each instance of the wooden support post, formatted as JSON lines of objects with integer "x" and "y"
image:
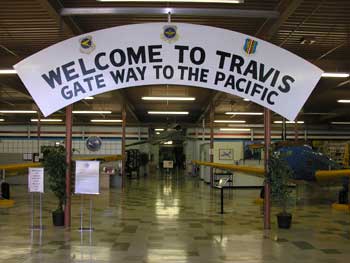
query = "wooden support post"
{"x": 211, "y": 144}
{"x": 123, "y": 145}
{"x": 67, "y": 208}
{"x": 39, "y": 132}
{"x": 267, "y": 136}
{"x": 284, "y": 130}
{"x": 296, "y": 131}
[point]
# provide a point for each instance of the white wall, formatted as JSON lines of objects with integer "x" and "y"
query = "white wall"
{"x": 16, "y": 140}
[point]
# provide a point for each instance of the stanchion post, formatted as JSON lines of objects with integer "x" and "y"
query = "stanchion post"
{"x": 40, "y": 212}
{"x": 32, "y": 199}
{"x": 222, "y": 200}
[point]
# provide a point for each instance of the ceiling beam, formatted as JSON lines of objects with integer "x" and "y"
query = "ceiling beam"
{"x": 129, "y": 107}
{"x": 212, "y": 12}
{"x": 332, "y": 50}
{"x": 269, "y": 28}
{"x": 213, "y": 98}
{"x": 67, "y": 30}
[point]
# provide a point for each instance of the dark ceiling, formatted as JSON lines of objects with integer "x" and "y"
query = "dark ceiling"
{"x": 29, "y": 26}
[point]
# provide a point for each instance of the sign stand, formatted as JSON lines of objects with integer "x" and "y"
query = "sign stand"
{"x": 90, "y": 228}
{"x": 40, "y": 226}
{"x": 36, "y": 185}
{"x": 221, "y": 186}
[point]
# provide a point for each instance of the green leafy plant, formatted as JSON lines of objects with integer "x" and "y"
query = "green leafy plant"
{"x": 279, "y": 175}
{"x": 55, "y": 166}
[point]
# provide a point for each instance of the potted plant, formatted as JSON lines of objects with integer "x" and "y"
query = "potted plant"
{"x": 279, "y": 175}
{"x": 55, "y": 167}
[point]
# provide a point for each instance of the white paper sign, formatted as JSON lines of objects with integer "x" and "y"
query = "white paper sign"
{"x": 87, "y": 175}
{"x": 36, "y": 180}
{"x": 160, "y": 53}
{"x": 168, "y": 164}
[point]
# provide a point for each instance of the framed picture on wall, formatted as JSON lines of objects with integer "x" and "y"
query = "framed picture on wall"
{"x": 225, "y": 154}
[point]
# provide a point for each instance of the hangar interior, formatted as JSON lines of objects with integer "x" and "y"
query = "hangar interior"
{"x": 146, "y": 211}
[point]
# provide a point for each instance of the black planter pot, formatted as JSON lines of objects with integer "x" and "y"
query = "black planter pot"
{"x": 284, "y": 220}
{"x": 58, "y": 218}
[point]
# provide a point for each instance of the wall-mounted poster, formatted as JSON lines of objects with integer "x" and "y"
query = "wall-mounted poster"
{"x": 225, "y": 154}
{"x": 36, "y": 180}
{"x": 87, "y": 175}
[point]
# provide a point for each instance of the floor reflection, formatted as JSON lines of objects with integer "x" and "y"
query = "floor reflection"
{"x": 172, "y": 219}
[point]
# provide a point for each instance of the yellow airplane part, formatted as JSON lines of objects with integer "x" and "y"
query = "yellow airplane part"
{"x": 18, "y": 166}
{"x": 331, "y": 174}
{"x": 239, "y": 168}
{"x": 322, "y": 175}
{"x": 22, "y": 166}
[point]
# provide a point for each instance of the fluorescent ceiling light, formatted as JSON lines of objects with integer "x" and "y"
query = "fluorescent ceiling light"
{"x": 106, "y": 120}
{"x": 169, "y": 112}
{"x": 18, "y": 111}
{"x": 335, "y": 75}
{"x": 341, "y": 122}
{"x": 344, "y": 101}
{"x": 170, "y": 98}
{"x": 157, "y": 133}
{"x": 243, "y": 113}
{"x": 89, "y": 98}
{"x": 46, "y": 120}
{"x": 2, "y": 119}
{"x": 8, "y": 71}
{"x": 289, "y": 122}
{"x": 234, "y": 129}
{"x": 246, "y": 99}
{"x": 92, "y": 111}
{"x": 168, "y": 142}
{"x": 180, "y": 1}
{"x": 246, "y": 125}
{"x": 228, "y": 121}
{"x": 159, "y": 129}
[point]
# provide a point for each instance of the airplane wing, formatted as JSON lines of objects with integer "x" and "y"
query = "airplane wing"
{"x": 258, "y": 171}
{"x": 320, "y": 175}
{"x": 22, "y": 166}
{"x": 331, "y": 175}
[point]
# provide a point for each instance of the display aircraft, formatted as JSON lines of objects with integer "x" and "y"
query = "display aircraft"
{"x": 174, "y": 133}
{"x": 306, "y": 164}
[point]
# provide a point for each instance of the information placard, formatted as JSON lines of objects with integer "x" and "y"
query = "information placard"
{"x": 36, "y": 180}
{"x": 87, "y": 175}
{"x": 168, "y": 164}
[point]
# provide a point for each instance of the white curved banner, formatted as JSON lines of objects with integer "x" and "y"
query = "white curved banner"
{"x": 160, "y": 53}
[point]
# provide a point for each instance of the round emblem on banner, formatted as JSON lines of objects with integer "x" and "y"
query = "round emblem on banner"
{"x": 169, "y": 34}
{"x": 86, "y": 44}
{"x": 93, "y": 143}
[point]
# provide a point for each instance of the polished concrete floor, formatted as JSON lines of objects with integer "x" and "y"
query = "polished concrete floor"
{"x": 172, "y": 219}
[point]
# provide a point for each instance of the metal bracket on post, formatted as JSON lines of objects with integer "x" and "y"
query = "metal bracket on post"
{"x": 169, "y": 17}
